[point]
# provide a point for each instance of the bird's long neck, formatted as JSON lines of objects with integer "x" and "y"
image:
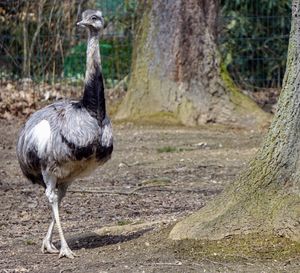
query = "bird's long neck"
{"x": 93, "y": 96}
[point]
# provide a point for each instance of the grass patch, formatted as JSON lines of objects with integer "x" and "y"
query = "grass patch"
{"x": 155, "y": 182}
{"x": 237, "y": 248}
{"x": 167, "y": 149}
{"x": 123, "y": 222}
{"x": 172, "y": 149}
{"x": 30, "y": 242}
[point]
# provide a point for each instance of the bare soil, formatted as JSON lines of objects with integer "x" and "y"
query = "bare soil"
{"x": 118, "y": 219}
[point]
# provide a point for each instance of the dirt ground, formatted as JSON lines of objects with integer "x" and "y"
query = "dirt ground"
{"x": 118, "y": 219}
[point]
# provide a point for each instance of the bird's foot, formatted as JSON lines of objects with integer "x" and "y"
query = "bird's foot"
{"x": 65, "y": 251}
{"x": 47, "y": 246}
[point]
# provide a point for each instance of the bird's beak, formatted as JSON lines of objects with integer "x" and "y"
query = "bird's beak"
{"x": 102, "y": 20}
{"x": 81, "y": 23}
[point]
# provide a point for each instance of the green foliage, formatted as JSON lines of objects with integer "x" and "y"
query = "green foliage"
{"x": 74, "y": 65}
{"x": 55, "y": 51}
{"x": 116, "y": 59}
{"x": 114, "y": 6}
{"x": 255, "y": 40}
{"x": 115, "y": 47}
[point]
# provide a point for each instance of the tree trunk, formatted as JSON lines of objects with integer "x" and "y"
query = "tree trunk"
{"x": 176, "y": 70}
{"x": 265, "y": 198}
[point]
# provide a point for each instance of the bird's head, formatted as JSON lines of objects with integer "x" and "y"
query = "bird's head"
{"x": 92, "y": 19}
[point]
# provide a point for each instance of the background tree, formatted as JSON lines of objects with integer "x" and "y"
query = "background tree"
{"x": 38, "y": 39}
{"x": 265, "y": 199}
{"x": 176, "y": 70}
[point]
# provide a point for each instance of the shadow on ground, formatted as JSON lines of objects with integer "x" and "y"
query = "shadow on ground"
{"x": 92, "y": 240}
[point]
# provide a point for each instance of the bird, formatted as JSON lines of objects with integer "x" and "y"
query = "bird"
{"x": 68, "y": 139}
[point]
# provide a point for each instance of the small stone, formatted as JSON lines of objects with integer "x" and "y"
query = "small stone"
{"x": 9, "y": 86}
{"x": 122, "y": 165}
{"x": 201, "y": 144}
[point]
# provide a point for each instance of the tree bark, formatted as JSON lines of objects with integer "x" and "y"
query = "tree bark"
{"x": 176, "y": 70}
{"x": 265, "y": 199}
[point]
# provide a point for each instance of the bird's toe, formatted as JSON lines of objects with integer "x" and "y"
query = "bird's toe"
{"x": 48, "y": 247}
{"x": 66, "y": 252}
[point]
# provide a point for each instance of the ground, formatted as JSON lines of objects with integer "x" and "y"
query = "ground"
{"x": 118, "y": 219}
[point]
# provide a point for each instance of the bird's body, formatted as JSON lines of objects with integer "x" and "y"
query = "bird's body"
{"x": 64, "y": 140}
{"x": 68, "y": 139}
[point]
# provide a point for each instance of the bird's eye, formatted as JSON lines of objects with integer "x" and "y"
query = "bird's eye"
{"x": 94, "y": 18}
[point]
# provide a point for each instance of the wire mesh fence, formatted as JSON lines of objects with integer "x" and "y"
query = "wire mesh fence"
{"x": 38, "y": 39}
{"x": 254, "y": 41}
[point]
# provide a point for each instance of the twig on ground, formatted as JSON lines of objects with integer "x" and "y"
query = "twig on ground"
{"x": 218, "y": 263}
{"x": 83, "y": 190}
{"x": 177, "y": 263}
{"x": 136, "y": 189}
{"x": 71, "y": 269}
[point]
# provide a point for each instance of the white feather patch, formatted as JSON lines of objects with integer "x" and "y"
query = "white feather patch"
{"x": 41, "y": 134}
{"x": 106, "y": 136}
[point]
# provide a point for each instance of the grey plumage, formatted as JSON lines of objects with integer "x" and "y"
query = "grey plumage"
{"x": 68, "y": 139}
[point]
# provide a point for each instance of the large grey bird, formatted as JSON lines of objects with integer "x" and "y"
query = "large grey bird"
{"x": 68, "y": 139}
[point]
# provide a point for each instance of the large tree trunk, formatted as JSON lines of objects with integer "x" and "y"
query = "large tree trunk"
{"x": 176, "y": 71}
{"x": 266, "y": 197}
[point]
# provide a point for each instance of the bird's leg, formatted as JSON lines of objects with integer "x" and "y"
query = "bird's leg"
{"x": 47, "y": 242}
{"x": 64, "y": 249}
{"x": 62, "y": 189}
{"x": 54, "y": 201}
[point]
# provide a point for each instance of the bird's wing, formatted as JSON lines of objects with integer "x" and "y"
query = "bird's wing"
{"x": 75, "y": 133}
{"x": 80, "y": 129}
